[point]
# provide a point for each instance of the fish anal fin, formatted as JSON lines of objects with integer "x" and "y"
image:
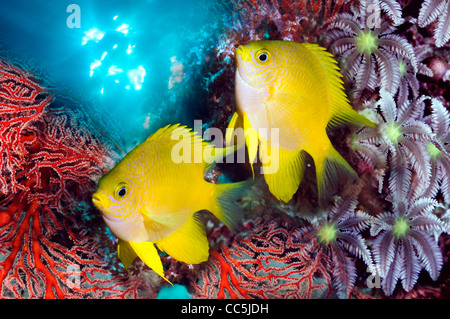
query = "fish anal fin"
{"x": 187, "y": 244}
{"x": 283, "y": 170}
{"x": 126, "y": 253}
{"x": 147, "y": 252}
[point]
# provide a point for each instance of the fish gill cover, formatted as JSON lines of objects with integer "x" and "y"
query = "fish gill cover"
{"x": 74, "y": 99}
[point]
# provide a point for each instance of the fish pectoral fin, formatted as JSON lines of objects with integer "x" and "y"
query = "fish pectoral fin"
{"x": 284, "y": 114}
{"x": 159, "y": 225}
{"x": 147, "y": 252}
{"x": 126, "y": 254}
{"x": 187, "y": 244}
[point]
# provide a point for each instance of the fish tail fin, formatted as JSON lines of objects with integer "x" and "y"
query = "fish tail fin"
{"x": 283, "y": 169}
{"x": 331, "y": 170}
{"x": 224, "y": 205}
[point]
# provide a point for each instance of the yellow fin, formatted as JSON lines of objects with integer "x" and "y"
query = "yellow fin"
{"x": 224, "y": 205}
{"x": 331, "y": 170}
{"x": 235, "y": 123}
{"x": 284, "y": 177}
{"x": 251, "y": 140}
{"x": 187, "y": 244}
{"x": 211, "y": 153}
{"x": 149, "y": 255}
{"x": 160, "y": 225}
{"x": 126, "y": 254}
{"x": 341, "y": 110}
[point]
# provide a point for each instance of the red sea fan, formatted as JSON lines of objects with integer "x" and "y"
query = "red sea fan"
{"x": 52, "y": 243}
{"x": 272, "y": 261}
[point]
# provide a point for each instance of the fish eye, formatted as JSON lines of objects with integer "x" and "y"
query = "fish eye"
{"x": 263, "y": 56}
{"x": 121, "y": 191}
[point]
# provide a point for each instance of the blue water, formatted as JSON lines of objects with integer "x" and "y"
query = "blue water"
{"x": 174, "y": 292}
{"x": 130, "y": 81}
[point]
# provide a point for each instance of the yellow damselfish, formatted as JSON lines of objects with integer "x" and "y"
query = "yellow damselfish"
{"x": 296, "y": 89}
{"x": 152, "y": 195}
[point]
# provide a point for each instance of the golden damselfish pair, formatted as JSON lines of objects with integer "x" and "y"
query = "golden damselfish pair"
{"x": 150, "y": 199}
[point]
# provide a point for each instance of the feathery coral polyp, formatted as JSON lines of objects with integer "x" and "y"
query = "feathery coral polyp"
{"x": 370, "y": 52}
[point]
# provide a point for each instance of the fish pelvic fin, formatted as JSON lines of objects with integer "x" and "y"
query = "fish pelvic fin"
{"x": 283, "y": 169}
{"x": 147, "y": 252}
{"x": 232, "y": 134}
{"x": 188, "y": 243}
{"x": 224, "y": 205}
{"x": 240, "y": 133}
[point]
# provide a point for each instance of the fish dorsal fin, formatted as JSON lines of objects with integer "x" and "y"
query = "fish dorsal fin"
{"x": 171, "y": 134}
{"x": 183, "y": 137}
{"x": 341, "y": 110}
{"x": 147, "y": 252}
{"x": 187, "y": 244}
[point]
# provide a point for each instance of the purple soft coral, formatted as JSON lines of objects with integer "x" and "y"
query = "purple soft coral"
{"x": 404, "y": 138}
{"x": 404, "y": 244}
{"x": 370, "y": 51}
{"x": 439, "y": 150}
{"x": 340, "y": 233}
{"x": 432, "y": 10}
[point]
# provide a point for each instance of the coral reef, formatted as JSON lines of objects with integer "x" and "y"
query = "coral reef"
{"x": 50, "y": 244}
{"x": 436, "y": 10}
{"x": 392, "y": 224}
{"x": 270, "y": 260}
{"x": 405, "y": 244}
{"x": 369, "y": 51}
{"x": 396, "y": 77}
{"x": 339, "y": 232}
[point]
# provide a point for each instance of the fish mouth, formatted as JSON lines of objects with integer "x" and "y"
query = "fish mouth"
{"x": 239, "y": 53}
{"x": 239, "y": 50}
{"x": 96, "y": 200}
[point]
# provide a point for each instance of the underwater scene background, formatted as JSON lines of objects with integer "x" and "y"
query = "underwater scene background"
{"x": 81, "y": 86}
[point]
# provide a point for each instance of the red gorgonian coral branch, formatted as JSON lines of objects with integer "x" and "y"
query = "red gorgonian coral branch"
{"x": 272, "y": 261}
{"x": 52, "y": 242}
